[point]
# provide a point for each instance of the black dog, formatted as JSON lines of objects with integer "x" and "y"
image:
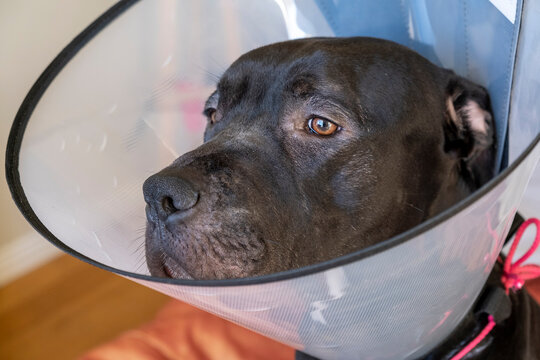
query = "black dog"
{"x": 316, "y": 148}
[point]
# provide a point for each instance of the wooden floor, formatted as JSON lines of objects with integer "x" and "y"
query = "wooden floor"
{"x": 66, "y": 307}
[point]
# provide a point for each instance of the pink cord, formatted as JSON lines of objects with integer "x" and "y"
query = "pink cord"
{"x": 485, "y": 331}
{"x": 514, "y": 276}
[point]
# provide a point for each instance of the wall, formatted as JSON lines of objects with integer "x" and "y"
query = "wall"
{"x": 32, "y": 33}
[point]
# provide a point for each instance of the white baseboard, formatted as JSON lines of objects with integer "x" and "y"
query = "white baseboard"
{"x": 23, "y": 254}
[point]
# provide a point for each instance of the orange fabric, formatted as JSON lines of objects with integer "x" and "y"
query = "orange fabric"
{"x": 181, "y": 331}
{"x": 533, "y": 287}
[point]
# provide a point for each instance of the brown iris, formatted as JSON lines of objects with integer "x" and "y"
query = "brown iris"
{"x": 322, "y": 126}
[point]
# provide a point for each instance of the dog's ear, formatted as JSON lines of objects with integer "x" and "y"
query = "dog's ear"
{"x": 469, "y": 129}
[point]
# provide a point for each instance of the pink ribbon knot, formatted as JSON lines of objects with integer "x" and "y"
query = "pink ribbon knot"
{"x": 515, "y": 274}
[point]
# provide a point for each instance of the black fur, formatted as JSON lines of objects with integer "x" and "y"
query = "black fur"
{"x": 265, "y": 193}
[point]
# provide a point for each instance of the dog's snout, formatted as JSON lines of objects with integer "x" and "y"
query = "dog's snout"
{"x": 166, "y": 194}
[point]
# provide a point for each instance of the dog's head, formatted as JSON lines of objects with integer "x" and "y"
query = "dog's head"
{"x": 315, "y": 148}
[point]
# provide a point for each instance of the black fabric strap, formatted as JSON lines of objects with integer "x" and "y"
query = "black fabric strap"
{"x": 496, "y": 303}
{"x": 518, "y": 220}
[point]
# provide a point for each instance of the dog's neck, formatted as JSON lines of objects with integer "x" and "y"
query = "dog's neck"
{"x": 475, "y": 321}
{"x": 469, "y": 328}
{"x": 512, "y": 337}
{"x": 464, "y": 333}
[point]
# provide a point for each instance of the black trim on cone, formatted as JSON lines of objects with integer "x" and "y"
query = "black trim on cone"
{"x": 13, "y": 179}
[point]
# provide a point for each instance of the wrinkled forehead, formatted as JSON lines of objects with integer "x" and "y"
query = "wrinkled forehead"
{"x": 283, "y": 69}
{"x": 369, "y": 73}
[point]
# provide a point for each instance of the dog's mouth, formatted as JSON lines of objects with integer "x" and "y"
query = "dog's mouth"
{"x": 171, "y": 269}
{"x": 197, "y": 251}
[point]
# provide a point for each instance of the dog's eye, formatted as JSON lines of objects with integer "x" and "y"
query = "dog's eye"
{"x": 211, "y": 114}
{"x": 322, "y": 126}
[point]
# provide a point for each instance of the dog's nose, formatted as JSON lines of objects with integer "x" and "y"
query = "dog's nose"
{"x": 166, "y": 194}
